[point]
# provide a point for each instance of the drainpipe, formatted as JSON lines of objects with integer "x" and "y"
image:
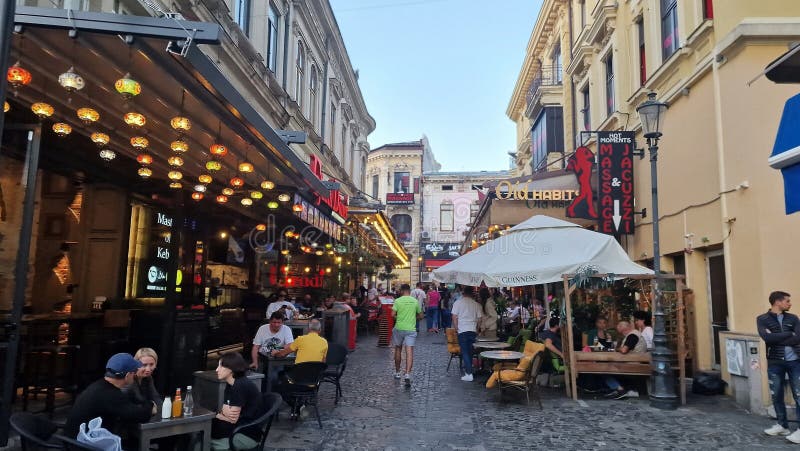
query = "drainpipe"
{"x": 288, "y": 35}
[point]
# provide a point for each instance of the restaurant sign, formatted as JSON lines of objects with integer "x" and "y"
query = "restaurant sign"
{"x": 153, "y": 280}
{"x": 335, "y": 199}
{"x": 615, "y": 161}
{"x": 441, "y": 251}
{"x": 399, "y": 198}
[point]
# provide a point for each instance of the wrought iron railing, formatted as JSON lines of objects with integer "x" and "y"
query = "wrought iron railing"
{"x": 546, "y": 76}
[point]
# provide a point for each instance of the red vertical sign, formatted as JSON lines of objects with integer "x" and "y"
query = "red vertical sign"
{"x": 615, "y": 160}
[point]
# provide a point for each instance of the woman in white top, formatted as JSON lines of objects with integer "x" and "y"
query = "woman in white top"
{"x": 641, "y": 320}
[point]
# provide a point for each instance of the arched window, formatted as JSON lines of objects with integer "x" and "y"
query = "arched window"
{"x": 312, "y": 95}
{"x": 401, "y": 224}
{"x": 300, "y": 65}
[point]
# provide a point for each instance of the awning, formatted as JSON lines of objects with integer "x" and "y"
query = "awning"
{"x": 786, "y": 153}
{"x": 382, "y": 232}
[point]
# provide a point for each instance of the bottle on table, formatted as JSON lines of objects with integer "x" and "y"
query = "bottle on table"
{"x": 166, "y": 408}
{"x": 188, "y": 403}
{"x": 177, "y": 405}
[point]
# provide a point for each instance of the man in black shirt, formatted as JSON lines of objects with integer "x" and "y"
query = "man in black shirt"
{"x": 104, "y": 398}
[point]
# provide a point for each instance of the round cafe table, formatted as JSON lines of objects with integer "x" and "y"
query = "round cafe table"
{"x": 497, "y": 345}
{"x": 485, "y": 339}
{"x": 502, "y": 355}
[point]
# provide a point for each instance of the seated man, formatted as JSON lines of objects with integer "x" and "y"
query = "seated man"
{"x": 632, "y": 343}
{"x": 551, "y": 338}
{"x": 310, "y": 347}
{"x": 281, "y": 302}
{"x": 106, "y": 399}
{"x": 270, "y": 337}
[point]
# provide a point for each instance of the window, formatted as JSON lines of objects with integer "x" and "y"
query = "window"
{"x": 343, "y": 151}
{"x": 708, "y": 11}
{"x": 242, "y": 15}
{"x": 402, "y": 227}
{"x": 642, "y": 53}
{"x": 610, "y": 106}
{"x": 587, "y": 118}
{"x": 473, "y": 212}
{"x": 331, "y": 141}
{"x": 312, "y": 96}
{"x": 539, "y": 142}
{"x": 583, "y": 13}
{"x": 669, "y": 28}
{"x": 402, "y": 182}
{"x": 547, "y": 135}
{"x": 272, "y": 38}
{"x": 447, "y": 187}
{"x": 557, "y": 65}
{"x": 300, "y": 78}
{"x": 375, "y": 185}
{"x": 446, "y": 217}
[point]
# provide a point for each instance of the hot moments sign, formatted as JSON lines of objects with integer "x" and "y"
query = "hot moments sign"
{"x": 615, "y": 196}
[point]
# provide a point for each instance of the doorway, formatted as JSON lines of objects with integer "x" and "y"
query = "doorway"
{"x": 718, "y": 299}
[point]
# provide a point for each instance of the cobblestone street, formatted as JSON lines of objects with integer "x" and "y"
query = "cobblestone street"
{"x": 440, "y": 411}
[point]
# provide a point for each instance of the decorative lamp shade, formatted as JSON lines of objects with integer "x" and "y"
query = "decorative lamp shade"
{"x": 213, "y": 165}
{"x": 284, "y": 197}
{"x": 144, "y": 159}
{"x": 6, "y": 107}
{"x": 319, "y": 253}
{"x": 101, "y": 139}
{"x": 134, "y": 119}
{"x": 246, "y": 201}
{"x": 180, "y": 124}
{"x": 197, "y": 196}
{"x": 256, "y": 195}
{"x": 179, "y": 146}
{"x": 218, "y": 150}
{"x": 261, "y": 227}
{"x": 61, "y": 129}
{"x": 18, "y": 76}
{"x": 222, "y": 199}
{"x": 144, "y": 172}
{"x": 140, "y": 142}
{"x": 227, "y": 191}
{"x": 267, "y": 185}
{"x": 88, "y": 115}
{"x": 205, "y": 178}
{"x": 175, "y": 175}
{"x": 175, "y": 161}
{"x": 272, "y": 205}
{"x": 651, "y": 113}
{"x": 128, "y": 87}
{"x": 246, "y": 167}
{"x": 107, "y": 154}
{"x": 285, "y": 252}
{"x": 200, "y": 188}
{"x": 237, "y": 182}
{"x": 71, "y": 81}
{"x": 289, "y": 234}
{"x": 176, "y": 185}
{"x": 297, "y": 208}
{"x": 43, "y": 110}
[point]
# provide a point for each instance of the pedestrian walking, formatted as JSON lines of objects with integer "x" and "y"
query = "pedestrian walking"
{"x": 467, "y": 314}
{"x": 407, "y": 311}
{"x": 432, "y": 313}
{"x": 419, "y": 294}
{"x": 780, "y": 330}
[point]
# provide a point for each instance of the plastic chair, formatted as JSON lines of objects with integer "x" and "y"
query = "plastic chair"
{"x": 303, "y": 385}
{"x": 34, "y": 430}
{"x": 337, "y": 362}
{"x": 272, "y": 401}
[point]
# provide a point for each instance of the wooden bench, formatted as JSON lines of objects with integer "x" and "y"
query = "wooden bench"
{"x": 613, "y": 363}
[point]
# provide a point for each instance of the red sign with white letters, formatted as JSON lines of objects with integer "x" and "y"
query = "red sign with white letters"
{"x": 335, "y": 200}
{"x": 615, "y": 196}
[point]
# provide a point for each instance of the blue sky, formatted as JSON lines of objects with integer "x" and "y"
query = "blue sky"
{"x": 443, "y": 68}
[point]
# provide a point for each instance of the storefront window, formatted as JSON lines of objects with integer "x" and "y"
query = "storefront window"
{"x": 402, "y": 227}
{"x": 402, "y": 182}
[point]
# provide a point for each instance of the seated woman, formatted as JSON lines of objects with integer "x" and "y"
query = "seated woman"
{"x": 599, "y": 332}
{"x": 243, "y": 404}
{"x": 143, "y": 389}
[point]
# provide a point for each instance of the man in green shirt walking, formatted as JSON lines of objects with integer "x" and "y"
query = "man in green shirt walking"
{"x": 406, "y": 311}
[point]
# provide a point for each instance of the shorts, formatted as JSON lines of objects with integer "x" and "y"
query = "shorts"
{"x": 403, "y": 337}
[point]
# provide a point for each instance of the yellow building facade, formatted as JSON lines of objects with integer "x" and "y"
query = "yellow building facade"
{"x": 721, "y": 206}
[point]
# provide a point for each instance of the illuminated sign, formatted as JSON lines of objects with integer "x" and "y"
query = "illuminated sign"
{"x": 154, "y": 281}
{"x": 519, "y": 191}
{"x": 615, "y": 161}
{"x": 399, "y": 198}
{"x": 335, "y": 200}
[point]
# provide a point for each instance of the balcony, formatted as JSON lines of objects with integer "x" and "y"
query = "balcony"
{"x": 547, "y": 81}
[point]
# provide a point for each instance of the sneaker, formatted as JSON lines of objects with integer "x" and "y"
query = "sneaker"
{"x": 777, "y": 429}
{"x": 627, "y": 394}
{"x": 794, "y": 437}
{"x": 466, "y": 378}
{"x": 398, "y": 375}
{"x": 614, "y": 393}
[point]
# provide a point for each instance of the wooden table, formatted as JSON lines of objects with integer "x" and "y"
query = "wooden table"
{"x": 157, "y": 428}
{"x": 271, "y": 364}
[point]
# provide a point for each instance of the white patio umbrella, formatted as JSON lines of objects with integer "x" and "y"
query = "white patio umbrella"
{"x": 539, "y": 250}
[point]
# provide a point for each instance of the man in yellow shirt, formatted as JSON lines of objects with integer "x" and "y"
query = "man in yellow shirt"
{"x": 311, "y": 347}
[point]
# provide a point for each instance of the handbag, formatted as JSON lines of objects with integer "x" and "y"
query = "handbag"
{"x": 94, "y": 434}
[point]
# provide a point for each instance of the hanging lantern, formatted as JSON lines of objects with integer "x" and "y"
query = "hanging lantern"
{"x": 6, "y": 107}
{"x": 205, "y": 178}
{"x": 101, "y": 139}
{"x": 256, "y": 195}
{"x": 218, "y": 150}
{"x": 107, "y": 154}
{"x": 134, "y": 119}
{"x": 180, "y": 124}
{"x": 71, "y": 81}
{"x": 222, "y": 199}
{"x": 246, "y": 167}
{"x": 200, "y": 188}
{"x": 297, "y": 208}
{"x": 61, "y": 129}
{"x": 284, "y": 197}
{"x": 176, "y": 185}
{"x": 144, "y": 159}
{"x": 319, "y": 253}
{"x": 285, "y": 252}
{"x": 213, "y": 165}
{"x": 227, "y": 191}
{"x": 144, "y": 172}
{"x": 179, "y": 146}
{"x": 197, "y": 196}
{"x": 43, "y": 110}
{"x": 246, "y": 201}
{"x": 175, "y": 161}
{"x": 237, "y": 182}
{"x": 267, "y": 185}
{"x": 128, "y": 87}
{"x": 272, "y": 205}
{"x": 261, "y": 227}
{"x": 140, "y": 142}
{"x": 175, "y": 175}
{"x": 88, "y": 115}
{"x": 18, "y": 76}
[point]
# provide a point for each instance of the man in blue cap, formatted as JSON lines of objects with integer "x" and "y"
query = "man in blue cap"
{"x": 104, "y": 398}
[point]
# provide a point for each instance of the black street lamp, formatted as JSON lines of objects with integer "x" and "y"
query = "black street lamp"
{"x": 651, "y": 114}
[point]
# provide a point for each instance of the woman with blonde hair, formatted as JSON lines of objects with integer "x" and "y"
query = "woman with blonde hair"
{"x": 143, "y": 387}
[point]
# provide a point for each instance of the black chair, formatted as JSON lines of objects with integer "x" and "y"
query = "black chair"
{"x": 303, "y": 386}
{"x": 337, "y": 362}
{"x": 272, "y": 402}
{"x": 35, "y": 431}
{"x": 72, "y": 444}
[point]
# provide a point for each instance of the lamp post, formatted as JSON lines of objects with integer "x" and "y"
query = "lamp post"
{"x": 651, "y": 113}
{"x": 419, "y": 269}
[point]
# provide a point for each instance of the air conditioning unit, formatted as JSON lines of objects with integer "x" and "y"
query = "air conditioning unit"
{"x": 425, "y": 235}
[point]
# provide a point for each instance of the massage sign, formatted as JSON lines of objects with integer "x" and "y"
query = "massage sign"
{"x": 615, "y": 176}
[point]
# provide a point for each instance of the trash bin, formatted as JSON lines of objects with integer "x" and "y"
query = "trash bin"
{"x": 336, "y": 325}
